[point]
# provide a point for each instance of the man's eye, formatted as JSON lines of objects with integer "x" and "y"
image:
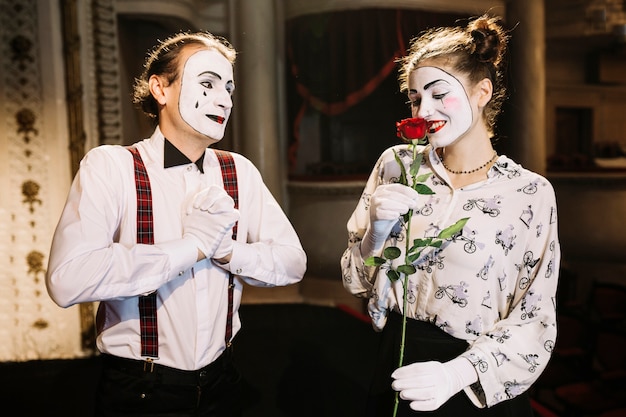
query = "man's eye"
{"x": 207, "y": 84}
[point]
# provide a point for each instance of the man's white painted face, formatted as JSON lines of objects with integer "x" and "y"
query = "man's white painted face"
{"x": 441, "y": 99}
{"x": 205, "y": 98}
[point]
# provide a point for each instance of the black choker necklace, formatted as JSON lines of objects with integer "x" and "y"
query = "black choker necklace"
{"x": 493, "y": 158}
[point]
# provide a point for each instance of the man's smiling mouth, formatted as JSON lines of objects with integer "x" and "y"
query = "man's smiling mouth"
{"x": 218, "y": 119}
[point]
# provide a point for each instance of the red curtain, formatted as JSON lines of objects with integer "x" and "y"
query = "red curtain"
{"x": 336, "y": 59}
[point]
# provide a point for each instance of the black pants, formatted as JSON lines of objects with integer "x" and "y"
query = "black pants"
{"x": 132, "y": 388}
{"x": 427, "y": 342}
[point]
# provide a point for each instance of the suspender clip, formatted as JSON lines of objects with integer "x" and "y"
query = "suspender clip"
{"x": 148, "y": 365}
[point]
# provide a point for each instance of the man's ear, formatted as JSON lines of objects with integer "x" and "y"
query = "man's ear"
{"x": 157, "y": 88}
{"x": 484, "y": 89}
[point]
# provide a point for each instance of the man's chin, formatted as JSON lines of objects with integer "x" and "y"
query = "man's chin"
{"x": 212, "y": 137}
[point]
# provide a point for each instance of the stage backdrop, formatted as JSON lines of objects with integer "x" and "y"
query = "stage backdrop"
{"x": 34, "y": 179}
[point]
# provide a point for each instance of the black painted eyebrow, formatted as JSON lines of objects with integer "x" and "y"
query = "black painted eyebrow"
{"x": 212, "y": 73}
{"x": 427, "y": 86}
{"x": 430, "y": 84}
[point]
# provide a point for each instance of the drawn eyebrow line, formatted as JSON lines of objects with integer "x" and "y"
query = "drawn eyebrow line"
{"x": 212, "y": 73}
{"x": 430, "y": 84}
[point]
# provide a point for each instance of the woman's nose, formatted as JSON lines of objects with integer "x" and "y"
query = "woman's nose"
{"x": 423, "y": 111}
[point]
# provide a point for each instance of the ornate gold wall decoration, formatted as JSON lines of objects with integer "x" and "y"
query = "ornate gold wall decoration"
{"x": 76, "y": 115}
{"x": 26, "y": 119}
{"x": 33, "y": 327}
{"x": 73, "y": 83}
{"x": 40, "y": 324}
{"x": 35, "y": 261}
{"x": 107, "y": 72}
{"x": 21, "y": 48}
{"x": 30, "y": 191}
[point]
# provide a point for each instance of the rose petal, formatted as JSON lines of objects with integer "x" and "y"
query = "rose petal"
{"x": 411, "y": 128}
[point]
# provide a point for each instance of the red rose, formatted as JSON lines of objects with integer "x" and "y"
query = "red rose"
{"x": 411, "y": 129}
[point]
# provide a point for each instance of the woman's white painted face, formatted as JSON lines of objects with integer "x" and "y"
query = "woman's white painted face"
{"x": 206, "y": 88}
{"x": 441, "y": 99}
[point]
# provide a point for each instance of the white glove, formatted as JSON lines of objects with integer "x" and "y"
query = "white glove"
{"x": 224, "y": 249}
{"x": 430, "y": 384}
{"x": 387, "y": 204}
{"x": 209, "y": 221}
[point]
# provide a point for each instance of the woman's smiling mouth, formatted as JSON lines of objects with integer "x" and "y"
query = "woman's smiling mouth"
{"x": 435, "y": 126}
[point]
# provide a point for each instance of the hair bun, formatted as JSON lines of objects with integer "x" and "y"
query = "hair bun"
{"x": 485, "y": 46}
{"x": 488, "y": 38}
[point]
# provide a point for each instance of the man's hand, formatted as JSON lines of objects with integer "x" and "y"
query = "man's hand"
{"x": 430, "y": 384}
{"x": 209, "y": 221}
{"x": 224, "y": 250}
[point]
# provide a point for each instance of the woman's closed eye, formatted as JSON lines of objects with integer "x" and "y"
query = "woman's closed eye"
{"x": 414, "y": 103}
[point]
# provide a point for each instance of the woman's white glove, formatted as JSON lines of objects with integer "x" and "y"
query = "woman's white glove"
{"x": 387, "y": 204}
{"x": 209, "y": 219}
{"x": 427, "y": 385}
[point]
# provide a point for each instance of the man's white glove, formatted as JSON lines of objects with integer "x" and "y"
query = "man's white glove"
{"x": 430, "y": 384}
{"x": 224, "y": 249}
{"x": 209, "y": 220}
{"x": 387, "y": 204}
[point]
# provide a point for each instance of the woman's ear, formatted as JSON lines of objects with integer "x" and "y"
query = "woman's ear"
{"x": 157, "y": 88}
{"x": 484, "y": 89}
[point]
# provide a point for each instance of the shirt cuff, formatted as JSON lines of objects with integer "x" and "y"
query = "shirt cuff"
{"x": 182, "y": 254}
{"x": 242, "y": 260}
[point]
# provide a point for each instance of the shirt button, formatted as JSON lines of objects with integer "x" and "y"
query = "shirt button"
{"x": 239, "y": 271}
{"x": 181, "y": 273}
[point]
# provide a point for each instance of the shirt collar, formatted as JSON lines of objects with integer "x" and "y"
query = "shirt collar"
{"x": 172, "y": 157}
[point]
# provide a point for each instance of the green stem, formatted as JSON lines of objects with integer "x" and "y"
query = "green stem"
{"x": 405, "y": 285}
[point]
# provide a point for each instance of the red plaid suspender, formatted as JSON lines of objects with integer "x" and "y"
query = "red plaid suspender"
{"x": 145, "y": 234}
{"x": 229, "y": 176}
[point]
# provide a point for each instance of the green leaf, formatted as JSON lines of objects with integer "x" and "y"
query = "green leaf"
{"x": 374, "y": 261}
{"x": 391, "y": 252}
{"x": 423, "y": 177}
{"x": 420, "y": 243}
{"x": 415, "y": 165}
{"x": 403, "y": 179}
{"x": 450, "y": 231}
{"x": 407, "y": 269}
{"x": 393, "y": 275}
{"x": 436, "y": 244}
{"x": 422, "y": 189}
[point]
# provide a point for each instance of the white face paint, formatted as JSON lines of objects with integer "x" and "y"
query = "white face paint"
{"x": 205, "y": 93}
{"x": 441, "y": 99}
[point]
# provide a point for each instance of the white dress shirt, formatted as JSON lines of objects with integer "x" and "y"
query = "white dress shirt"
{"x": 493, "y": 285}
{"x": 94, "y": 255}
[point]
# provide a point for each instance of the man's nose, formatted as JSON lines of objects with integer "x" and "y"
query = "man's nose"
{"x": 224, "y": 100}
